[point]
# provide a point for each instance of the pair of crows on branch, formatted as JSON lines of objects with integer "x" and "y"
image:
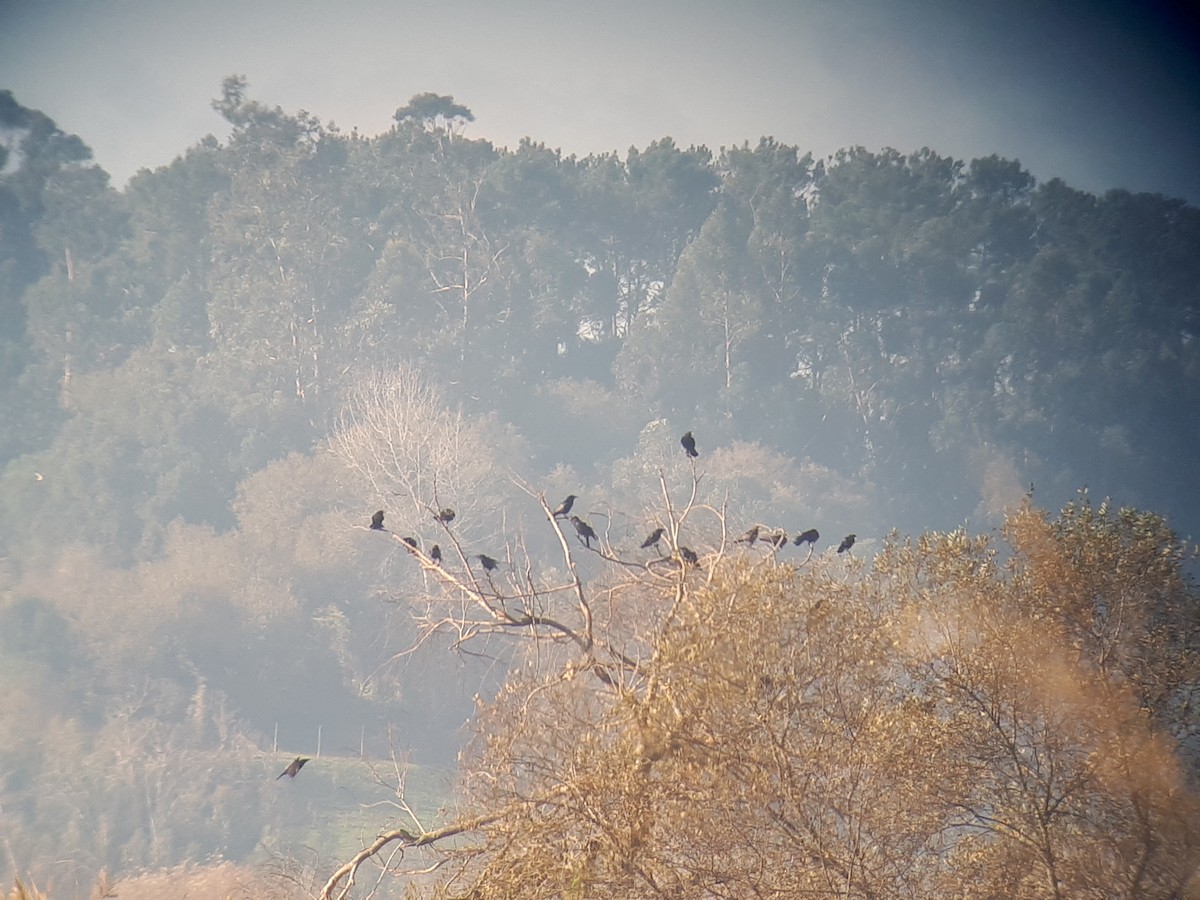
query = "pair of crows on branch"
{"x": 445, "y": 516}
{"x": 582, "y": 528}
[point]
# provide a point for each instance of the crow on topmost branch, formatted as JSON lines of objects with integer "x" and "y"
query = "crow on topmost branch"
{"x": 689, "y": 445}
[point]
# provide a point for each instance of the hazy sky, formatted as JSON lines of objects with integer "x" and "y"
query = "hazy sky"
{"x": 1101, "y": 94}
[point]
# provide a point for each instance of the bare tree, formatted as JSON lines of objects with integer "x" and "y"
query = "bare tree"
{"x": 416, "y": 455}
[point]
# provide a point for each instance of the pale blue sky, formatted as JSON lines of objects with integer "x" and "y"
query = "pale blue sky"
{"x": 1101, "y": 94}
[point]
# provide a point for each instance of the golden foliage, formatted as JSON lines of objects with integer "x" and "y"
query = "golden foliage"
{"x": 956, "y": 717}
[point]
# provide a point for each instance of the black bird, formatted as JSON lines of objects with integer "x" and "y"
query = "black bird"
{"x": 435, "y": 553}
{"x": 584, "y": 529}
{"x": 446, "y": 516}
{"x": 487, "y": 562}
{"x": 377, "y": 521}
{"x": 749, "y": 537}
{"x": 775, "y": 538}
{"x": 847, "y": 543}
{"x": 689, "y": 445}
{"x": 653, "y": 538}
{"x": 411, "y": 542}
{"x": 807, "y": 537}
{"x": 689, "y": 555}
{"x": 293, "y": 767}
{"x": 565, "y": 506}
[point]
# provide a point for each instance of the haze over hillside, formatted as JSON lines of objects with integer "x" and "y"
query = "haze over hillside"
{"x": 214, "y": 376}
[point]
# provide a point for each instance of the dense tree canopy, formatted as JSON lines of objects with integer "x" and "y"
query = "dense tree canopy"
{"x": 212, "y": 377}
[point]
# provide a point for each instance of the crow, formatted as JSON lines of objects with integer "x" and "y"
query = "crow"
{"x": 749, "y": 537}
{"x": 377, "y": 521}
{"x": 689, "y": 445}
{"x": 653, "y": 538}
{"x": 689, "y": 555}
{"x": 584, "y": 529}
{"x": 293, "y": 767}
{"x": 847, "y": 543}
{"x": 565, "y": 506}
{"x": 775, "y": 538}
{"x": 807, "y": 537}
{"x": 435, "y": 553}
{"x": 446, "y": 516}
{"x": 487, "y": 562}
{"x": 411, "y": 542}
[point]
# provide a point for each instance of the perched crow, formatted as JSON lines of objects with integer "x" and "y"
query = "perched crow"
{"x": 689, "y": 555}
{"x": 565, "y": 506}
{"x": 487, "y": 562}
{"x": 584, "y": 529}
{"x": 775, "y": 538}
{"x": 412, "y": 543}
{"x": 653, "y": 538}
{"x": 377, "y": 521}
{"x": 749, "y": 537}
{"x": 847, "y": 543}
{"x": 807, "y": 537}
{"x": 689, "y": 444}
{"x": 293, "y": 767}
{"x": 435, "y": 553}
{"x": 446, "y": 516}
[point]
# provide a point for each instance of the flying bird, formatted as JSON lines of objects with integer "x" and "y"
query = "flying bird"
{"x": 377, "y": 521}
{"x": 435, "y": 553}
{"x": 689, "y": 555}
{"x": 487, "y": 562}
{"x": 446, "y": 516}
{"x": 293, "y": 767}
{"x": 565, "y": 506}
{"x": 749, "y": 537}
{"x": 847, "y": 543}
{"x": 584, "y": 530}
{"x": 807, "y": 537}
{"x": 689, "y": 445}
{"x": 653, "y": 538}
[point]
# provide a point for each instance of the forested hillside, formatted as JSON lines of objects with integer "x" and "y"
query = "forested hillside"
{"x": 210, "y": 380}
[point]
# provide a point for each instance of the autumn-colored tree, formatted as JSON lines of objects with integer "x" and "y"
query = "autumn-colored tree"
{"x": 953, "y": 716}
